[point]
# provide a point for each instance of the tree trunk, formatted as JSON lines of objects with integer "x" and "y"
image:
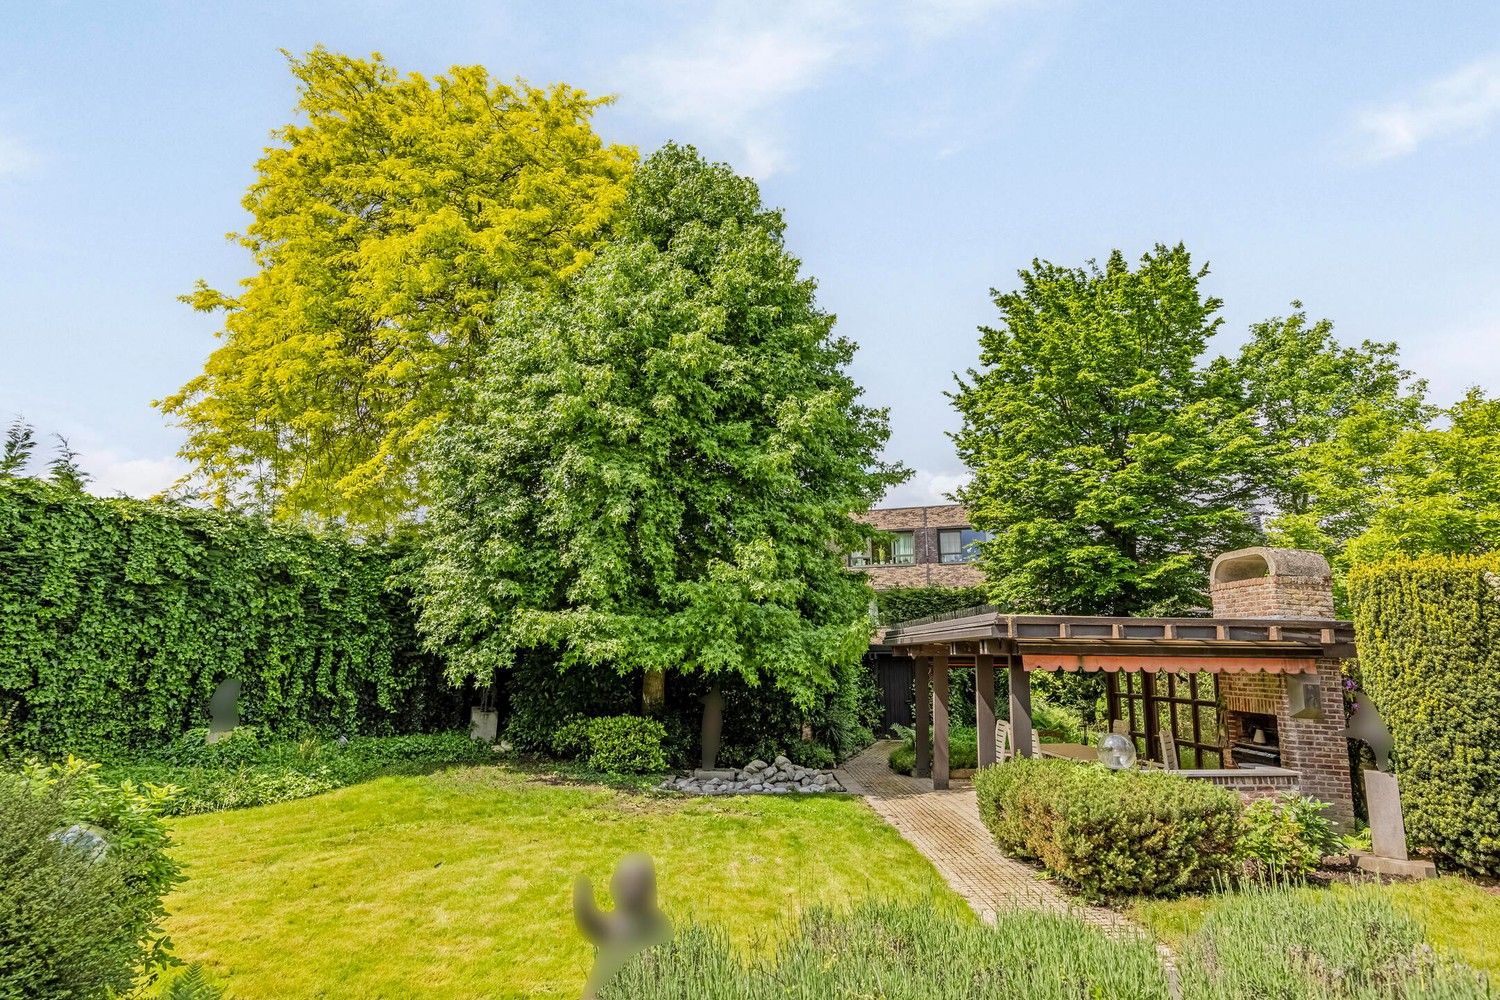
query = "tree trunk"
{"x": 713, "y": 725}
{"x": 653, "y": 692}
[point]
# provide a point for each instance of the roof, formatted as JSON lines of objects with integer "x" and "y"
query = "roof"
{"x": 1069, "y": 642}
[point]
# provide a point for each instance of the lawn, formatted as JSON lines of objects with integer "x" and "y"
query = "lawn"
{"x": 1457, "y": 915}
{"x": 456, "y": 884}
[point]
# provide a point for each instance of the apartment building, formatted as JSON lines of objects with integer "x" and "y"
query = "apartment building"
{"x": 931, "y": 546}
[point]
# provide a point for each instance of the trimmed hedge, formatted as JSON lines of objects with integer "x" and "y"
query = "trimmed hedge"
{"x": 903, "y": 604}
{"x": 120, "y": 617}
{"x": 1429, "y": 646}
{"x": 1145, "y": 833}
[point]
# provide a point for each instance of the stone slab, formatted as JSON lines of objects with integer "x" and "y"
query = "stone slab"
{"x": 1399, "y": 867}
{"x": 1387, "y": 828}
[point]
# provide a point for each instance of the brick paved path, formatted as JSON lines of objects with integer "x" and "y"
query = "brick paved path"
{"x": 944, "y": 826}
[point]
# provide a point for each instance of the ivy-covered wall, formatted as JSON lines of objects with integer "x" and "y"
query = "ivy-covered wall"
{"x": 1429, "y": 648}
{"x": 118, "y": 618}
{"x": 902, "y": 604}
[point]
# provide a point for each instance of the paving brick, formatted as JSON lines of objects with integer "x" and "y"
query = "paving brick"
{"x": 944, "y": 826}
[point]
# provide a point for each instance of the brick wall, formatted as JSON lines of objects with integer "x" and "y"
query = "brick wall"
{"x": 927, "y": 571}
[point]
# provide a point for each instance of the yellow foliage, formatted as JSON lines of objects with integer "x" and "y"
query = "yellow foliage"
{"x": 385, "y": 226}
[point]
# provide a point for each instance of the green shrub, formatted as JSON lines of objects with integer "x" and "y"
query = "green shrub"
{"x": 129, "y": 819}
{"x": 963, "y": 749}
{"x": 626, "y": 744}
{"x": 283, "y": 770}
{"x": 903, "y": 952}
{"x": 1348, "y": 945}
{"x": 1287, "y": 835}
{"x": 808, "y": 753}
{"x": 122, "y": 616}
{"x": 904, "y": 604}
{"x": 66, "y": 921}
{"x": 572, "y": 739}
{"x": 239, "y": 747}
{"x": 1429, "y": 648}
{"x": 1146, "y": 833}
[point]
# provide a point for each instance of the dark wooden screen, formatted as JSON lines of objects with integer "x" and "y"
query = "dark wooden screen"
{"x": 895, "y": 678}
{"x": 1189, "y": 703}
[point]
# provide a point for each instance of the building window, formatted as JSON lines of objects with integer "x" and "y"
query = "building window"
{"x": 960, "y": 545}
{"x": 894, "y": 548}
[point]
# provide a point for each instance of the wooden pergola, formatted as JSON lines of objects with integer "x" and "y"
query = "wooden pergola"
{"x": 1023, "y": 643}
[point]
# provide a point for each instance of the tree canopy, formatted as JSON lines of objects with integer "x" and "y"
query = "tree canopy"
{"x": 658, "y": 467}
{"x": 1441, "y": 491}
{"x": 385, "y": 228}
{"x": 1108, "y": 462}
{"x": 1329, "y": 416}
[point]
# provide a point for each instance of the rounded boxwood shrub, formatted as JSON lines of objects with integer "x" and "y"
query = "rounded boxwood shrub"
{"x": 1429, "y": 654}
{"x": 627, "y": 744}
{"x": 1146, "y": 833}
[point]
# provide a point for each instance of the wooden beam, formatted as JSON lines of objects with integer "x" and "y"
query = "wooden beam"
{"x": 940, "y": 722}
{"x": 924, "y": 762}
{"x": 1020, "y": 708}
{"x": 984, "y": 708}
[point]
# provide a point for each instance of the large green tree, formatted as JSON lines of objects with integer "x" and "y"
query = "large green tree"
{"x": 658, "y": 467}
{"x": 1330, "y": 416}
{"x": 1109, "y": 463}
{"x": 1441, "y": 491}
{"x": 385, "y": 227}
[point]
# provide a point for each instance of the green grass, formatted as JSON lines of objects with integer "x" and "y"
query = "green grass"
{"x": 457, "y": 884}
{"x": 1457, "y": 915}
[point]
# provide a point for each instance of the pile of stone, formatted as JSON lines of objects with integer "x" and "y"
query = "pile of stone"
{"x": 780, "y": 777}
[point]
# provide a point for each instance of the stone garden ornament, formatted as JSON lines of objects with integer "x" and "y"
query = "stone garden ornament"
{"x": 635, "y": 924}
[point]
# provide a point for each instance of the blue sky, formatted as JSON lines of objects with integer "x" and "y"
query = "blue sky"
{"x": 1344, "y": 154}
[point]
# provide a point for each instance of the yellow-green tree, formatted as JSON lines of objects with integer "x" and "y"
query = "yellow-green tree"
{"x": 385, "y": 227}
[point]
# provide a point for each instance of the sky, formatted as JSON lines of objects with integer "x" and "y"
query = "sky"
{"x": 1340, "y": 153}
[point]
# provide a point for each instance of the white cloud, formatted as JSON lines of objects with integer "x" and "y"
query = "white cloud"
{"x": 15, "y": 156}
{"x": 938, "y": 18}
{"x": 1461, "y": 105}
{"x": 925, "y": 487}
{"x": 728, "y": 78}
{"x": 112, "y": 473}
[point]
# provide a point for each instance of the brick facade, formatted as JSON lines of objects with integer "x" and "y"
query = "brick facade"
{"x": 927, "y": 571}
{"x": 1287, "y": 583}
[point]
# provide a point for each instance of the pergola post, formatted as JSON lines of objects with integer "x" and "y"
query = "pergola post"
{"x": 940, "y": 721}
{"x": 1020, "y": 708}
{"x": 984, "y": 707}
{"x": 924, "y": 762}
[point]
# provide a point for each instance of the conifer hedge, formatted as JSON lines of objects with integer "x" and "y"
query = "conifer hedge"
{"x": 119, "y": 617}
{"x": 1429, "y": 649}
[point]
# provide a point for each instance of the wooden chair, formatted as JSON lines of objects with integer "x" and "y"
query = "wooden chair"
{"x": 1005, "y": 742}
{"x": 1167, "y": 740}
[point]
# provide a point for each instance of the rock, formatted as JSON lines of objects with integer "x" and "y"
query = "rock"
{"x": 756, "y": 765}
{"x": 783, "y": 762}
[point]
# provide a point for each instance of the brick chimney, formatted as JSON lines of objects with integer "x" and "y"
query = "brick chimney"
{"x": 1271, "y": 583}
{"x": 1265, "y": 582}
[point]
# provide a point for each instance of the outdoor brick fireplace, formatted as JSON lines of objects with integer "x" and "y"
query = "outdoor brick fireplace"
{"x": 1300, "y": 716}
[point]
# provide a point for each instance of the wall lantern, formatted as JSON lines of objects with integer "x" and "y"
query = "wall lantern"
{"x": 1305, "y": 698}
